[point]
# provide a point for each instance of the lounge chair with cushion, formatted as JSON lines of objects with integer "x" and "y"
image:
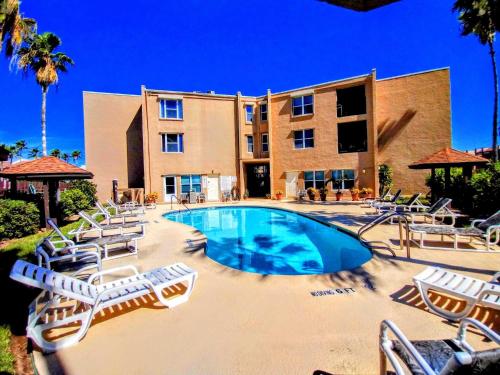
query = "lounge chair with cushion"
{"x": 437, "y": 213}
{"x": 472, "y": 291}
{"x": 121, "y": 217}
{"x": 66, "y": 300}
{"x": 386, "y": 194}
{"x": 386, "y": 203}
{"x": 129, "y": 207}
{"x": 139, "y": 227}
{"x": 107, "y": 246}
{"x": 444, "y": 357}
{"x": 485, "y": 232}
{"x": 411, "y": 205}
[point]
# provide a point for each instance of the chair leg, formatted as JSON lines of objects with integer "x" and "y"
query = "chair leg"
{"x": 383, "y": 362}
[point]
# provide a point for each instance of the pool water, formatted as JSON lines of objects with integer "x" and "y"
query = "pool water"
{"x": 273, "y": 241}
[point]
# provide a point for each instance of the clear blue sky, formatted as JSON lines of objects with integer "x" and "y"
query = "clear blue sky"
{"x": 230, "y": 46}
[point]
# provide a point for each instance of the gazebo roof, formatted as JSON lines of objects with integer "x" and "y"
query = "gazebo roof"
{"x": 45, "y": 167}
{"x": 448, "y": 157}
{"x": 360, "y": 5}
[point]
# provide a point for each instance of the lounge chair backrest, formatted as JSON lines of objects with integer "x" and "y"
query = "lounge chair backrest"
{"x": 111, "y": 203}
{"x": 385, "y": 193}
{"x": 485, "y": 362}
{"x": 395, "y": 197}
{"x": 56, "y": 229}
{"x": 413, "y": 199}
{"x": 89, "y": 219}
{"x": 39, "y": 277}
{"x": 439, "y": 205}
{"x": 101, "y": 208}
{"x": 492, "y": 220}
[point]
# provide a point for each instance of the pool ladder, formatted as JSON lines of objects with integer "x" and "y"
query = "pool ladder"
{"x": 178, "y": 202}
{"x": 402, "y": 218}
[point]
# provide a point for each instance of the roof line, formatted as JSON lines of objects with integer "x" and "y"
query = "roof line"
{"x": 414, "y": 74}
{"x": 108, "y": 93}
{"x": 190, "y": 93}
{"x": 321, "y": 84}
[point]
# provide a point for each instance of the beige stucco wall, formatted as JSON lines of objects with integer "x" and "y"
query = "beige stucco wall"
{"x": 324, "y": 155}
{"x": 413, "y": 120}
{"x": 209, "y": 128}
{"x": 113, "y": 140}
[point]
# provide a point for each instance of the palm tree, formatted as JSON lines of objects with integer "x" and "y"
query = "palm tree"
{"x": 34, "y": 153}
{"x": 13, "y": 26}
{"x": 76, "y": 155}
{"x": 19, "y": 147}
{"x": 39, "y": 57}
{"x": 65, "y": 156}
{"x": 480, "y": 17}
{"x": 55, "y": 152}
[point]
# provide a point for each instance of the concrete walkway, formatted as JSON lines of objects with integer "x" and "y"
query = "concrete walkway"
{"x": 242, "y": 323}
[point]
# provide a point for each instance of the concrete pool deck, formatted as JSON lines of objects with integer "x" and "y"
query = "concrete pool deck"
{"x": 243, "y": 323}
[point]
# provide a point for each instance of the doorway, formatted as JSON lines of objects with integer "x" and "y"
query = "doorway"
{"x": 292, "y": 179}
{"x": 212, "y": 188}
{"x": 258, "y": 181}
{"x": 170, "y": 188}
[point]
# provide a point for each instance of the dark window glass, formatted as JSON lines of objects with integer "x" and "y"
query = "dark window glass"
{"x": 351, "y": 101}
{"x": 352, "y": 137}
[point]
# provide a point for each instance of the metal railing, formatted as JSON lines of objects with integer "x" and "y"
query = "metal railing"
{"x": 382, "y": 219}
{"x": 178, "y": 202}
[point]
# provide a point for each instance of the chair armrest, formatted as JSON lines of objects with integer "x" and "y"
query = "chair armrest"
{"x": 66, "y": 242}
{"x": 84, "y": 246}
{"x": 475, "y": 222}
{"x": 112, "y": 270}
{"x": 496, "y": 277}
{"x": 386, "y": 346}
{"x": 492, "y": 228}
{"x": 493, "y": 336}
{"x": 78, "y": 254}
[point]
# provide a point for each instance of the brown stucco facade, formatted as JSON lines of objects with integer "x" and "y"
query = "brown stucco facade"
{"x": 402, "y": 119}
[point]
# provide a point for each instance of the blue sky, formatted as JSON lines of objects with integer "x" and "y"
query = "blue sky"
{"x": 231, "y": 46}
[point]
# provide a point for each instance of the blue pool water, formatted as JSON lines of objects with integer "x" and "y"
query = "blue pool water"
{"x": 273, "y": 241}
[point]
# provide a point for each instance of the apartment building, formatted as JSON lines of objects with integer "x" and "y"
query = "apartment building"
{"x": 176, "y": 142}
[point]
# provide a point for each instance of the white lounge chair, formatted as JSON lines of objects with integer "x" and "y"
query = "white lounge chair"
{"x": 432, "y": 357}
{"x": 122, "y": 218}
{"x": 437, "y": 213}
{"x": 68, "y": 300}
{"x": 411, "y": 205}
{"x": 472, "y": 291}
{"x": 129, "y": 207}
{"x": 102, "y": 228}
{"x": 386, "y": 195}
{"x": 386, "y": 203}
{"x": 486, "y": 232}
{"x": 105, "y": 245}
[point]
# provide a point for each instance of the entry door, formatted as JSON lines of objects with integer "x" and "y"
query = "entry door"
{"x": 212, "y": 188}
{"x": 170, "y": 188}
{"x": 291, "y": 184}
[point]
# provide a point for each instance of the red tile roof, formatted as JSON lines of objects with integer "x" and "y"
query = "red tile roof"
{"x": 448, "y": 157}
{"x": 48, "y": 166}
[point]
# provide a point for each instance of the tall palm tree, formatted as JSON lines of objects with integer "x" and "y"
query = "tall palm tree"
{"x": 55, "y": 152}
{"x": 14, "y": 28}
{"x": 38, "y": 56}
{"x": 76, "y": 155}
{"x": 20, "y": 146}
{"x": 34, "y": 153}
{"x": 480, "y": 17}
{"x": 65, "y": 156}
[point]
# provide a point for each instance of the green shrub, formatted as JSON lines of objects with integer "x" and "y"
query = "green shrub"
{"x": 485, "y": 187}
{"x": 384, "y": 178}
{"x": 72, "y": 201}
{"x": 6, "y": 356}
{"x": 86, "y": 187}
{"x": 18, "y": 218}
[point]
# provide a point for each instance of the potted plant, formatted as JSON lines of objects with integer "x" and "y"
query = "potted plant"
{"x": 355, "y": 194}
{"x": 245, "y": 196}
{"x": 151, "y": 199}
{"x": 311, "y": 193}
{"x": 338, "y": 194}
{"x": 279, "y": 194}
{"x": 366, "y": 193}
{"x": 323, "y": 192}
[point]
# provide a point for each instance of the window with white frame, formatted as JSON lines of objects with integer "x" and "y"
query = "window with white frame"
{"x": 302, "y": 105}
{"x": 171, "y": 109}
{"x": 191, "y": 182}
{"x": 314, "y": 179}
{"x": 344, "y": 178}
{"x": 250, "y": 143}
{"x": 249, "y": 113}
{"x": 172, "y": 142}
{"x": 263, "y": 112}
{"x": 265, "y": 142}
{"x": 303, "y": 138}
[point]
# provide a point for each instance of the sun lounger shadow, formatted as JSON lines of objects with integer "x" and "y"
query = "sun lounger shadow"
{"x": 410, "y": 296}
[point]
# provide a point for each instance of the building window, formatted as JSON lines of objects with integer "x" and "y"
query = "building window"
{"x": 314, "y": 179}
{"x": 172, "y": 143}
{"x": 191, "y": 182}
{"x": 302, "y": 105}
{"x": 352, "y": 137}
{"x": 250, "y": 143}
{"x": 263, "y": 112}
{"x": 344, "y": 178}
{"x": 249, "y": 113}
{"x": 265, "y": 142}
{"x": 304, "y": 138}
{"x": 171, "y": 109}
{"x": 351, "y": 101}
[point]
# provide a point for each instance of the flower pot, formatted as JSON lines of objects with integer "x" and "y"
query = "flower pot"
{"x": 278, "y": 196}
{"x": 323, "y": 197}
{"x": 338, "y": 196}
{"x": 355, "y": 196}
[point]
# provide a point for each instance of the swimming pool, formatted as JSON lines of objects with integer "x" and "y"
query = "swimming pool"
{"x": 273, "y": 241}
